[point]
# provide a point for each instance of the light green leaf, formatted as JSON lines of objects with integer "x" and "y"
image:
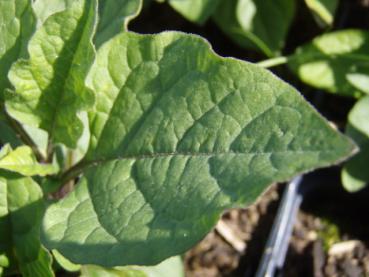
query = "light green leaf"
{"x": 330, "y": 60}
{"x": 171, "y": 267}
{"x": 16, "y": 26}
{"x": 49, "y": 87}
{"x": 359, "y": 81}
{"x": 114, "y": 16}
{"x": 97, "y": 271}
{"x": 197, "y": 11}
{"x": 44, "y": 8}
{"x": 252, "y": 23}
{"x": 21, "y": 209}
{"x": 65, "y": 263}
{"x": 355, "y": 174}
{"x": 179, "y": 134}
{"x": 323, "y": 10}
{"x": 23, "y": 161}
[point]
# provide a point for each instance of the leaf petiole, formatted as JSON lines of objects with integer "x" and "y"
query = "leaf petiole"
{"x": 273, "y": 62}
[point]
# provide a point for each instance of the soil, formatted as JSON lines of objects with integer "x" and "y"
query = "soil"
{"x": 330, "y": 243}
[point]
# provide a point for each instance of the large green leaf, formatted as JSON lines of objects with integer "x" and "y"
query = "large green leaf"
{"x": 49, "y": 87}
{"x": 323, "y": 10}
{"x": 16, "y": 26}
{"x": 21, "y": 210}
{"x": 252, "y": 23}
{"x": 355, "y": 174}
{"x": 22, "y": 160}
{"x": 179, "y": 134}
{"x": 195, "y": 10}
{"x": 114, "y": 16}
{"x": 335, "y": 61}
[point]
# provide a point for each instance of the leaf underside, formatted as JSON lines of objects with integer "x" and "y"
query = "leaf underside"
{"x": 178, "y": 134}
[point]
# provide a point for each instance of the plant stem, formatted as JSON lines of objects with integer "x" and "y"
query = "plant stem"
{"x": 73, "y": 172}
{"x": 18, "y": 128}
{"x": 273, "y": 62}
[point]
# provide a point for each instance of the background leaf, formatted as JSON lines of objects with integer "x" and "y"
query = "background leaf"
{"x": 330, "y": 59}
{"x": 171, "y": 267}
{"x": 16, "y": 26}
{"x": 22, "y": 207}
{"x": 23, "y": 161}
{"x": 323, "y": 10}
{"x": 49, "y": 87}
{"x": 197, "y": 11}
{"x": 114, "y": 16}
{"x": 355, "y": 174}
{"x": 179, "y": 134}
{"x": 252, "y": 23}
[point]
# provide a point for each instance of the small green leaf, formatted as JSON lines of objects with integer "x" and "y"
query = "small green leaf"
{"x": 21, "y": 209}
{"x": 114, "y": 16}
{"x": 16, "y": 27}
{"x": 252, "y": 23}
{"x": 171, "y": 267}
{"x": 97, "y": 271}
{"x": 330, "y": 61}
{"x": 197, "y": 11}
{"x": 23, "y": 161}
{"x": 178, "y": 134}
{"x": 355, "y": 174}
{"x": 49, "y": 87}
{"x": 323, "y": 10}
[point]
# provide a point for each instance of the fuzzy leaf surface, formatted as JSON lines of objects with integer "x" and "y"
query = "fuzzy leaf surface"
{"x": 252, "y": 23}
{"x": 21, "y": 210}
{"x": 337, "y": 62}
{"x": 49, "y": 87}
{"x": 23, "y": 161}
{"x": 197, "y": 11}
{"x": 16, "y": 26}
{"x": 355, "y": 174}
{"x": 179, "y": 134}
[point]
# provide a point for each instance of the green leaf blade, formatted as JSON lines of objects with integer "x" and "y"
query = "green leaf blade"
{"x": 49, "y": 87}
{"x": 336, "y": 62}
{"x": 179, "y": 134}
{"x": 17, "y": 24}
{"x": 323, "y": 10}
{"x": 251, "y": 23}
{"x": 197, "y": 11}
{"x": 114, "y": 16}
{"x": 23, "y": 161}
{"x": 355, "y": 175}
{"x": 24, "y": 205}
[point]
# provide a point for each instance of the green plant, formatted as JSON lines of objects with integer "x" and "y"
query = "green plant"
{"x": 151, "y": 137}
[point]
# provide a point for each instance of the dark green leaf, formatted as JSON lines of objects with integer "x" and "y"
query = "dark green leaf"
{"x": 179, "y": 134}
